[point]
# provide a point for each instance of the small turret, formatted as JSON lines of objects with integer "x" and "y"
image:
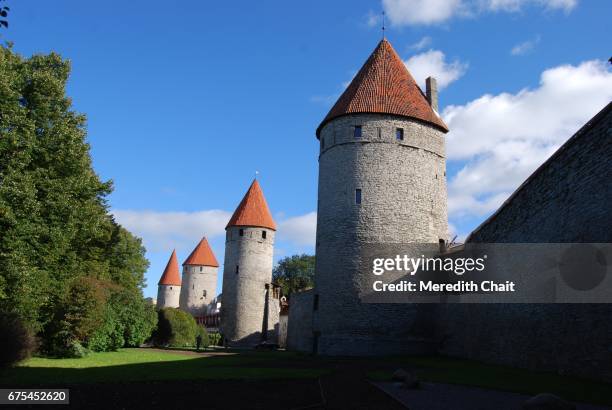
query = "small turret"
{"x": 199, "y": 279}
{"x": 169, "y": 286}
{"x": 250, "y": 308}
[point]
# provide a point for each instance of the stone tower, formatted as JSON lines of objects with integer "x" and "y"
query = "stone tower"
{"x": 199, "y": 283}
{"x": 382, "y": 180}
{"x": 250, "y": 311}
{"x": 169, "y": 286}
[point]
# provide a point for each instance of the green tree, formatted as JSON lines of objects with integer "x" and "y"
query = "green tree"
{"x": 54, "y": 220}
{"x": 175, "y": 328}
{"x": 294, "y": 273}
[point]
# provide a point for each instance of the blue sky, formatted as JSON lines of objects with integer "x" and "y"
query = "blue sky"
{"x": 186, "y": 100}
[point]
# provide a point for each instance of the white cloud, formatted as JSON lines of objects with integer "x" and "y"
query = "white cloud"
{"x": 525, "y": 47}
{"x": 503, "y": 138}
{"x": 162, "y": 231}
{"x": 425, "y": 12}
{"x": 518, "y": 5}
{"x": 374, "y": 19}
{"x": 410, "y": 12}
{"x": 433, "y": 63}
{"x": 300, "y": 230}
{"x": 422, "y": 43}
{"x": 167, "y": 230}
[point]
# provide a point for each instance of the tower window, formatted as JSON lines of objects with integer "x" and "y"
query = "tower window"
{"x": 264, "y": 234}
{"x": 379, "y": 132}
{"x": 204, "y": 293}
{"x": 358, "y": 196}
{"x": 315, "y": 303}
{"x": 201, "y": 268}
{"x": 241, "y": 232}
{"x": 357, "y": 132}
{"x": 322, "y": 143}
{"x": 399, "y": 134}
{"x": 237, "y": 269}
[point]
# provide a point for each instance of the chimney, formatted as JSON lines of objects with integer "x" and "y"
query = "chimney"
{"x": 431, "y": 90}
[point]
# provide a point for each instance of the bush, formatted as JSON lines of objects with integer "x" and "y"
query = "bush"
{"x": 109, "y": 336}
{"x": 201, "y": 331}
{"x": 75, "y": 350}
{"x": 79, "y": 313}
{"x": 128, "y": 321}
{"x": 214, "y": 339}
{"x": 16, "y": 341}
{"x": 175, "y": 328}
{"x": 140, "y": 324}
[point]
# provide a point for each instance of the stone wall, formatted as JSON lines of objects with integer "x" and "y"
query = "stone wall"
{"x": 168, "y": 296}
{"x": 246, "y": 272}
{"x": 198, "y": 288}
{"x": 299, "y": 329}
{"x": 283, "y": 322}
{"x": 403, "y": 199}
{"x": 568, "y": 199}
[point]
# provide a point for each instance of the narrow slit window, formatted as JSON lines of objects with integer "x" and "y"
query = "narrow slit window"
{"x": 201, "y": 268}
{"x": 242, "y": 232}
{"x": 357, "y": 132}
{"x": 399, "y": 134}
{"x": 322, "y": 143}
{"x": 315, "y": 303}
{"x": 237, "y": 269}
{"x": 264, "y": 234}
{"x": 358, "y": 196}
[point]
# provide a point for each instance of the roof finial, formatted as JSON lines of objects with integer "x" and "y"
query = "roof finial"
{"x": 383, "y": 24}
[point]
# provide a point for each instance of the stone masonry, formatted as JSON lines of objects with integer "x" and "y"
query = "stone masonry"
{"x": 168, "y": 296}
{"x": 247, "y": 273}
{"x": 198, "y": 288}
{"x": 566, "y": 200}
{"x": 403, "y": 200}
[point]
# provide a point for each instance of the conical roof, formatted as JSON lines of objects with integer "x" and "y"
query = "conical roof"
{"x": 202, "y": 255}
{"x": 384, "y": 85}
{"x": 253, "y": 210}
{"x": 171, "y": 273}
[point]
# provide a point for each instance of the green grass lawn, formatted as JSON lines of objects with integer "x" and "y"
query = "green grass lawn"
{"x": 128, "y": 365}
{"x": 471, "y": 373}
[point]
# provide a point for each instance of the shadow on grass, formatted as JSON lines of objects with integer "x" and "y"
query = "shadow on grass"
{"x": 470, "y": 373}
{"x": 243, "y": 366}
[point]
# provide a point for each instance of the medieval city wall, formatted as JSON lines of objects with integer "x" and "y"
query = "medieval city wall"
{"x": 299, "y": 328}
{"x": 569, "y": 199}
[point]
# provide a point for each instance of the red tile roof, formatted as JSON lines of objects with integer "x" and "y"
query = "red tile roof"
{"x": 171, "y": 273}
{"x": 384, "y": 85}
{"x": 253, "y": 210}
{"x": 202, "y": 255}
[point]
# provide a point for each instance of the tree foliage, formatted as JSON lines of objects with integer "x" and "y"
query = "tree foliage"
{"x": 62, "y": 255}
{"x": 17, "y": 342}
{"x": 175, "y": 328}
{"x": 294, "y": 273}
